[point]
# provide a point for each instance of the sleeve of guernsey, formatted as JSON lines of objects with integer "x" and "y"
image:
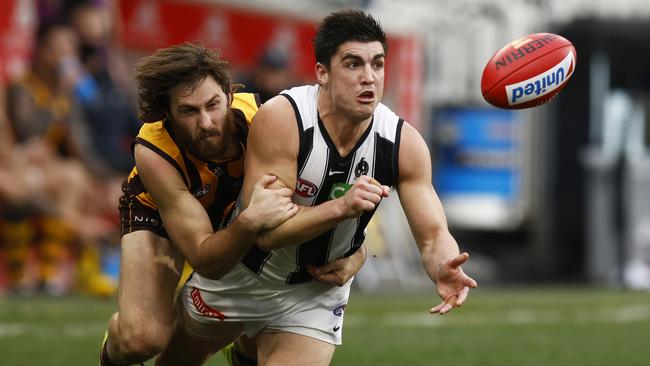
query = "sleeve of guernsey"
{"x": 155, "y": 137}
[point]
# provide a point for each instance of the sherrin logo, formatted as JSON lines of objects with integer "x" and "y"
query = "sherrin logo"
{"x": 520, "y": 42}
{"x": 541, "y": 84}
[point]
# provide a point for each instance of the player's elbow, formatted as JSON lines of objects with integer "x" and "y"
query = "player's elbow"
{"x": 206, "y": 268}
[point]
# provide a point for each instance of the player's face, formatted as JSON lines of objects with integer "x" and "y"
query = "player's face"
{"x": 201, "y": 120}
{"x": 355, "y": 80}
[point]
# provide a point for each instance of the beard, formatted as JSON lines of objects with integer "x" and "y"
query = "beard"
{"x": 209, "y": 145}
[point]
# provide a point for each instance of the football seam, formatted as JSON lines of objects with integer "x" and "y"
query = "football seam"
{"x": 500, "y": 80}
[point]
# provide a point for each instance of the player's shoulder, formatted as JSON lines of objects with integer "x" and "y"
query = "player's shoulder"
{"x": 275, "y": 122}
{"x": 247, "y": 103}
{"x": 277, "y": 109}
{"x": 300, "y": 92}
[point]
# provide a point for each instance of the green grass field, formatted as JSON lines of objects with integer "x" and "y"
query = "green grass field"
{"x": 540, "y": 326}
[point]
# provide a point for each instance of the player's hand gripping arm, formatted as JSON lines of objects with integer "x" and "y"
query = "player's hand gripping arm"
{"x": 273, "y": 144}
{"x": 439, "y": 250}
{"x": 340, "y": 271}
{"x": 212, "y": 254}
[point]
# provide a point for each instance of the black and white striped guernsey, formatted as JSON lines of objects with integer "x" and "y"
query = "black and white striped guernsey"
{"x": 323, "y": 175}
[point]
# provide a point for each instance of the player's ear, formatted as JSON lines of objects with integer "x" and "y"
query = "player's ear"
{"x": 322, "y": 74}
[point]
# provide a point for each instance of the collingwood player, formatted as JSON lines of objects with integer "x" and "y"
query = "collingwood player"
{"x": 340, "y": 150}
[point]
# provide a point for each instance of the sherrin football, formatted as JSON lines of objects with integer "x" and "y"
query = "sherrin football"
{"x": 528, "y": 71}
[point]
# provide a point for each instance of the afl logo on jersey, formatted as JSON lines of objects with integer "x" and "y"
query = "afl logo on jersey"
{"x": 361, "y": 168}
{"x": 305, "y": 188}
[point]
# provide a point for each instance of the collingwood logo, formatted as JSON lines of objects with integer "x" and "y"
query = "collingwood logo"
{"x": 361, "y": 168}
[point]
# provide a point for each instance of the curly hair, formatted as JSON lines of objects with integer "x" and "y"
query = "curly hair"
{"x": 159, "y": 74}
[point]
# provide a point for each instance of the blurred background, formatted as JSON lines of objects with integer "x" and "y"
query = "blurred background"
{"x": 557, "y": 194}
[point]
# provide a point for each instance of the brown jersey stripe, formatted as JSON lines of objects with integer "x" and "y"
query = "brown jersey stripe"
{"x": 192, "y": 173}
{"x": 165, "y": 156}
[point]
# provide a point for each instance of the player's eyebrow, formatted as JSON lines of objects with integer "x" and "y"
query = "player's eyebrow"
{"x": 215, "y": 97}
{"x": 351, "y": 56}
{"x": 355, "y": 57}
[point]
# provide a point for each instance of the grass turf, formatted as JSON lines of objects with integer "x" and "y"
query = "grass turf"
{"x": 538, "y": 326}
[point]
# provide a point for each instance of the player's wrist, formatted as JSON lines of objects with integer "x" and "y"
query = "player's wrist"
{"x": 339, "y": 209}
{"x": 436, "y": 272}
{"x": 249, "y": 221}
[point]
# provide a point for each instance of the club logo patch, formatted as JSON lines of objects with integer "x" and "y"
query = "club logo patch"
{"x": 361, "y": 168}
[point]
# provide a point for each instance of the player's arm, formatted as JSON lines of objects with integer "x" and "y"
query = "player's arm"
{"x": 423, "y": 209}
{"x": 211, "y": 254}
{"x": 273, "y": 144}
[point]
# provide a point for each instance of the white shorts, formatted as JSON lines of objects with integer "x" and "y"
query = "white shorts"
{"x": 312, "y": 309}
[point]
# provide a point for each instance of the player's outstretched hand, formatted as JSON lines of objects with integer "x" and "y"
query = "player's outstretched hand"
{"x": 363, "y": 196}
{"x": 452, "y": 284}
{"x": 340, "y": 271}
{"x": 270, "y": 207}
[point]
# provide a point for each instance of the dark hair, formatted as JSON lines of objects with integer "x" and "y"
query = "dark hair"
{"x": 159, "y": 74}
{"x": 343, "y": 26}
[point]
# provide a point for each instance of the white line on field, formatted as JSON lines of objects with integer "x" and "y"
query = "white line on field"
{"x": 619, "y": 314}
{"x": 73, "y": 330}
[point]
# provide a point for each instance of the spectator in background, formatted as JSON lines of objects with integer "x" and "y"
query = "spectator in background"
{"x": 109, "y": 122}
{"x": 272, "y": 74}
{"x": 42, "y": 162}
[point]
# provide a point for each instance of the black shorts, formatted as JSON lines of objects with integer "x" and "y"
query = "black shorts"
{"x": 135, "y": 216}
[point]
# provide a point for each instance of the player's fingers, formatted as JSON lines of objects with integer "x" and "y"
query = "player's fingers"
{"x": 470, "y": 282}
{"x": 312, "y": 271}
{"x": 366, "y": 186}
{"x": 374, "y": 181}
{"x": 285, "y": 192}
{"x": 327, "y": 267}
{"x": 436, "y": 309}
{"x": 385, "y": 191}
{"x": 374, "y": 197}
{"x": 369, "y": 206}
{"x": 450, "y": 303}
{"x": 331, "y": 278}
{"x": 445, "y": 309}
{"x": 293, "y": 211}
{"x": 462, "y": 296}
{"x": 458, "y": 260}
{"x": 266, "y": 180}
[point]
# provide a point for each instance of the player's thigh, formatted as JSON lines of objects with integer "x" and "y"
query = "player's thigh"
{"x": 149, "y": 271}
{"x": 193, "y": 342}
{"x": 276, "y": 348}
{"x": 188, "y": 348}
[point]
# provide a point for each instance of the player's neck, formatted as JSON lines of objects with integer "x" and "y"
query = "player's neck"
{"x": 344, "y": 131}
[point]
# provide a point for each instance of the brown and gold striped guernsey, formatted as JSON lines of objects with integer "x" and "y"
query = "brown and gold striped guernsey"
{"x": 216, "y": 184}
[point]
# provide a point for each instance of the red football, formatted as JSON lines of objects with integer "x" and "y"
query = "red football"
{"x": 528, "y": 71}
